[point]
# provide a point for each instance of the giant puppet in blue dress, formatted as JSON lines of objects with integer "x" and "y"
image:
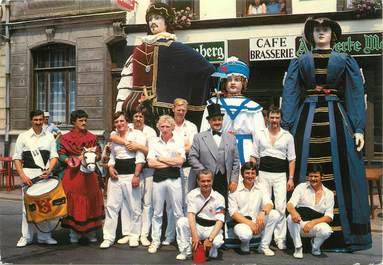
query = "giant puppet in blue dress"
{"x": 323, "y": 106}
{"x": 242, "y": 115}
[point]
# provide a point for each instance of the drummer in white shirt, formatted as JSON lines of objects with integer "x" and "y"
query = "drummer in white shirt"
{"x": 35, "y": 138}
{"x": 124, "y": 186}
{"x": 251, "y": 209}
{"x": 311, "y": 209}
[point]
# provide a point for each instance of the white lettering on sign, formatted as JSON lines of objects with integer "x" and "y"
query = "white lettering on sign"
{"x": 272, "y": 48}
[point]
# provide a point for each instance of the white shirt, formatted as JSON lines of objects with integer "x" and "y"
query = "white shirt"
{"x": 186, "y": 131}
{"x": 304, "y": 196}
{"x": 282, "y": 148}
{"x": 147, "y": 130}
{"x": 172, "y": 148}
{"x": 214, "y": 209}
{"x": 119, "y": 151}
{"x": 249, "y": 202}
{"x": 42, "y": 141}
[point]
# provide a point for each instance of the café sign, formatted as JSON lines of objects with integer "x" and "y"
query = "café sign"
{"x": 272, "y": 48}
{"x": 214, "y": 52}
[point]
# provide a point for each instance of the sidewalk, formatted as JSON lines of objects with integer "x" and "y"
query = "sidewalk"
{"x": 376, "y": 222}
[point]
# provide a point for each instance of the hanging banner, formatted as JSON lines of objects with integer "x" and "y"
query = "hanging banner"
{"x": 127, "y": 5}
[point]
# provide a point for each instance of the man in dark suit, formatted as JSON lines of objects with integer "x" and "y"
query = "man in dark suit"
{"x": 216, "y": 151}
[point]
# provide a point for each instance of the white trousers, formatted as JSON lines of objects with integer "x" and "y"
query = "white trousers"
{"x": 320, "y": 232}
{"x": 245, "y": 234}
{"x": 122, "y": 196}
{"x": 170, "y": 233}
{"x": 169, "y": 190}
{"x": 147, "y": 193}
{"x": 28, "y": 229}
{"x": 184, "y": 236}
{"x": 277, "y": 183}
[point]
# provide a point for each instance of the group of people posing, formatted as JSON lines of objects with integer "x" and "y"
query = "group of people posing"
{"x": 235, "y": 178}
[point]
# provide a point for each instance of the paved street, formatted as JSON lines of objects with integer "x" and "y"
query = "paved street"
{"x": 66, "y": 253}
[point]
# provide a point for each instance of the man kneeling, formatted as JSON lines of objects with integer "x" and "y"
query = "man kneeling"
{"x": 311, "y": 209}
{"x": 250, "y": 207}
{"x": 206, "y": 215}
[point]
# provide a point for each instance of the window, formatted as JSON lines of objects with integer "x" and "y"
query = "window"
{"x": 54, "y": 78}
{"x": 262, "y": 7}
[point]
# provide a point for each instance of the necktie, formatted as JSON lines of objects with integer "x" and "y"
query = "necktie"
{"x": 216, "y": 133}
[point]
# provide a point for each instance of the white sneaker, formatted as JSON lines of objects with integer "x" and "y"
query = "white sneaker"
{"x": 48, "y": 241}
{"x": 183, "y": 256}
{"x": 213, "y": 253}
{"x": 123, "y": 240}
{"x": 281, "y": 245}
{"x": 167, "y": 242}
{"x": 153, "y": 248}
{"x": 144, "y": 241}
{"x": 245, "y": 248}
{"x": 92, "y": 239}
{"x": 266, "y": 251}
{"x": 23, "y": 242}
{"x": 106, "y": 244}
{"x": 133, "y": 243}
{"x": 298, "y": 253}
{"x": 315, "y": 251}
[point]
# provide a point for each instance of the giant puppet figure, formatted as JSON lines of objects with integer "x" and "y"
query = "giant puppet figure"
{"x": 323, "y": 106}
{"x": 161, "y": 70}
{"x": 242, "y": 116}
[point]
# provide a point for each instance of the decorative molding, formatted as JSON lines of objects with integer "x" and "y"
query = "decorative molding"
{"x": 50, "y": 32}
{"x": 117, "y": 29}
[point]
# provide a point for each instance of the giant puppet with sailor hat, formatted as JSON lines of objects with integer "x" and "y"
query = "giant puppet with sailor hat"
{"x": 162, "y": 69}
{"x": 242, "y": 116}
{"x": 323, "y": 106}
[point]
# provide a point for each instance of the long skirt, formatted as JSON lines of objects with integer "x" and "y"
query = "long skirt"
{"x": 85, "y": 201}
{"x": 323, "y": 135}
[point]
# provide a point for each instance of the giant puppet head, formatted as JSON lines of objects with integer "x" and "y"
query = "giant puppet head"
{"x": 312, "y": 23}
{"x": 165, "y": 11}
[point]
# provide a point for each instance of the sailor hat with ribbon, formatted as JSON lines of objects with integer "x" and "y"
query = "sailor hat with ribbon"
{"x": 232, "y": 66}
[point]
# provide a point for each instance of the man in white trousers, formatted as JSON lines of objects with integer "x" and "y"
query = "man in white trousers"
{"x": 138, "y": 123}
{"x": 274, "y": 149}
{"x": 204, "y": 221}
{"x": 251, "y": 209}
{"x": 311, "y": 209}
{"x": 166, "y": 155}
{"x": 124, "y": 191}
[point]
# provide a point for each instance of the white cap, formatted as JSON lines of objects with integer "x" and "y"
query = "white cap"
{"x": 46, "y": 114}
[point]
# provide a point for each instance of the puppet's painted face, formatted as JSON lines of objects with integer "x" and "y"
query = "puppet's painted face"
{"x": 322, "y": 36}
{"x": 234, "y": 84}
{"x": 157, "y": 24}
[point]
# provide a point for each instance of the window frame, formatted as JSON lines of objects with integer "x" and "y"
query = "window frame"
{"x": 70, "y": 66}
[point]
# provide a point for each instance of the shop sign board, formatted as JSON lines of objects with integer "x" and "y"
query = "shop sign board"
{"x": 363, "y": 44}
{"x": 272, "y": 48}
{"x": 214, "y": 52}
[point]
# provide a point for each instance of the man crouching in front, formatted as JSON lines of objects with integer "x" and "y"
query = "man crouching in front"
{"x": 206, "y": 215}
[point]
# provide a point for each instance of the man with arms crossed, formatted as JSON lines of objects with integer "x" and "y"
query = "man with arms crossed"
{"x": 272, "y": 146}
{"x": 311, "y": 209}
{"x": 204, "y": 221}
{"x": 251, "y": 209}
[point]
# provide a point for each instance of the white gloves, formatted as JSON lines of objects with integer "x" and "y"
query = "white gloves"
{"x": 359, "y": 141}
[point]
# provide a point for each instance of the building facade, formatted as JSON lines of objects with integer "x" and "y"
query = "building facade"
{"x": 68, "y": 55}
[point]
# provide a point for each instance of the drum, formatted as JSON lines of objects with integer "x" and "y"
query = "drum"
{"x": 45, "y": 200}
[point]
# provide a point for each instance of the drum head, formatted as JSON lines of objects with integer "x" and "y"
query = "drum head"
{"x": 42, "y": 187}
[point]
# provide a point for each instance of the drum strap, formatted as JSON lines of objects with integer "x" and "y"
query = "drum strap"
{"x": 36, "y": 155}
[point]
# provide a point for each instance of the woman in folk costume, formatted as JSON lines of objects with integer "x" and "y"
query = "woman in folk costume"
{"x": 242, "y": 115}
{"x": 162, "y": 69}
{"x": 323, "y": 106}
{"x": 84, "y": 195}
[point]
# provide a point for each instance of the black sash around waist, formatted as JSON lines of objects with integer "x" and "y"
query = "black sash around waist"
{"x": 28, "y": 161}
{"x": 204, "y": 222}
{"x": 161, "y": 174}
{"x": 273, "y": 164}
{"x": 125, "y": 166}
{"x": 308, "y": 214}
